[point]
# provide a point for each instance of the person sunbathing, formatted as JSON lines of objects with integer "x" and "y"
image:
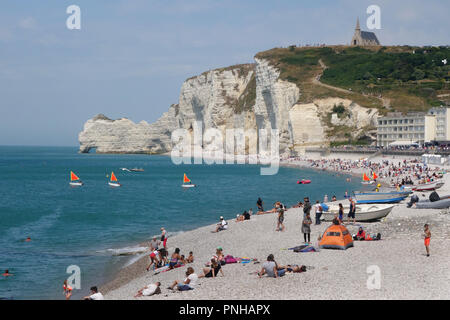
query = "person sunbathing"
{"x": 149, "y": 290}
{"x": 212, "y": 271}
{"x": 174, "y": 260}
{"x": 275, "y": 207}
{"x": 188, "y": 284}
{"x": 295, "y": 268}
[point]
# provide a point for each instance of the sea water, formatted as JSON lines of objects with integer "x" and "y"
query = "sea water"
{"x": 87, "y": 226}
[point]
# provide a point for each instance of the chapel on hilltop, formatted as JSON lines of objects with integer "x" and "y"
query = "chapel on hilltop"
{"x": 364, "y": 38}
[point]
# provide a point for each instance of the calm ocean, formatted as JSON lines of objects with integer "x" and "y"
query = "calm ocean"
{"x": 77, "y": 226}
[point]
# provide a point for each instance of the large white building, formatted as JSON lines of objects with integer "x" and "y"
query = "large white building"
{"x": 414, "y": 127}
{"x": 442, "y": 122}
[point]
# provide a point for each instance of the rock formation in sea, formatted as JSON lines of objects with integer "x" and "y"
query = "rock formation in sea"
{"x": 248, "y": 97}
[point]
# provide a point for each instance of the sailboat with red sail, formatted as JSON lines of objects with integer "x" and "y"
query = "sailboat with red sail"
{"x": 187, "y": 182}
{"x": 74, "y": 180}
{"x": 113, "y": 182}
{"x": 366, "y": 179}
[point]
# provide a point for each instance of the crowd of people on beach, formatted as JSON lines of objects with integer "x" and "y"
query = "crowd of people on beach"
{"x": 401, "y": 173}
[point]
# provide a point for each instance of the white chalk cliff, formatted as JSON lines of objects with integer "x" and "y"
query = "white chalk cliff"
{"x": 248, "y": 97}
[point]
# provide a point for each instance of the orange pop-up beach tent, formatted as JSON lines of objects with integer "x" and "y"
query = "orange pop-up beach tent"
{"x": 336, "y": 237}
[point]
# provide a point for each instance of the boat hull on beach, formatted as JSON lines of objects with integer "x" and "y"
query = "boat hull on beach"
{"x": 364, "y": 212}
{"x": 380, "y": 197}
{"x": 428, "y": 186}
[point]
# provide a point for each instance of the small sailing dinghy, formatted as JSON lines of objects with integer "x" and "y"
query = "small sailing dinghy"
{"x": 366, "y": 180}
{"x": 113, "y": 182}
{"x": 187, "y": 182}
{"x": 74, "y": 180}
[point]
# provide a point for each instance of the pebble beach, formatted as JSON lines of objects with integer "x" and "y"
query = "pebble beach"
{"x": 406, "y": 272}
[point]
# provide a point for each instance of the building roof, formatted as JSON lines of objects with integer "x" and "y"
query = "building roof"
{"x": 370, "y": 36}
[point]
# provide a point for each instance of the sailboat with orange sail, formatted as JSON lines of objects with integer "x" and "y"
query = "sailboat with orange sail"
{"x": 74, "y": 180}
{"x": 187, "y": 182}
{"x": 366, "y": 179}
{"x": 113, "y": 182}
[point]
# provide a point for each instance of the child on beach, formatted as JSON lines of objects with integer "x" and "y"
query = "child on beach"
{"x": 149, "y": 290}
{"x": 427, "y": 238}
{"x": 190, "y": 258}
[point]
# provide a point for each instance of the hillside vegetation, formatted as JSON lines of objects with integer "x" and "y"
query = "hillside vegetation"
{"x": 387, "y": 78}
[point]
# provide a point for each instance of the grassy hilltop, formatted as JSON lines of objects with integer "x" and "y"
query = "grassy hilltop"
{"x": 387, "y": 78}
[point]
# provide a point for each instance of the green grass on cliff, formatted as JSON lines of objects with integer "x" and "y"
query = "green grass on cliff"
{"x": 410, "y": 78}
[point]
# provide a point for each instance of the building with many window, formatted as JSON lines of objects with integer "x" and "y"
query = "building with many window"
{"x": 413, "y": 127}
{"x": 442, "y": 122}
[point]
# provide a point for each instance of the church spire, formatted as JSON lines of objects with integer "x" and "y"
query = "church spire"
{"x": 357, "y": 24}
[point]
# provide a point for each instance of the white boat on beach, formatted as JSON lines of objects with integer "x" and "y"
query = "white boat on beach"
{"x": 428, "y": 186}
{"x": 364, "y": 212}
{"x": 380, "y": 197}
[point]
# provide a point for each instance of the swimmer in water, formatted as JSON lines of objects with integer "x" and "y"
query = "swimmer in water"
{"x": 7, "y": 274}
{"x": 28, "y": 239}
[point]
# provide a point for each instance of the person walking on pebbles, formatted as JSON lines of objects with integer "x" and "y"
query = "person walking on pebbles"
{"x": 427, "y": 238}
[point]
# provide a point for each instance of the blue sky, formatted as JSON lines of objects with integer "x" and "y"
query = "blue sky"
{"x": 131, "y": 56}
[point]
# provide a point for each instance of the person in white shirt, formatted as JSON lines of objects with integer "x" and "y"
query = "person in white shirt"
{"x": 149, "y": 290}
{"x": 188, "y": 284}
{"x": 222, "y": 225}
{"x": 95, "y": 295}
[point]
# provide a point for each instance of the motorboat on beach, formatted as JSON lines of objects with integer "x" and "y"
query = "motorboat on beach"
{"x": 74, "y": 180}
{"x": 364, "y": 212}
{"x": 427, "y": 204}
{"x": 380, "y": 197}
{"x": 434, "y": 201}
{"x": 433, "y": 185}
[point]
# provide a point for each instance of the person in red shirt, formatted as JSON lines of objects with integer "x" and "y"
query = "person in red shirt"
{"x": 361, "y": 235}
